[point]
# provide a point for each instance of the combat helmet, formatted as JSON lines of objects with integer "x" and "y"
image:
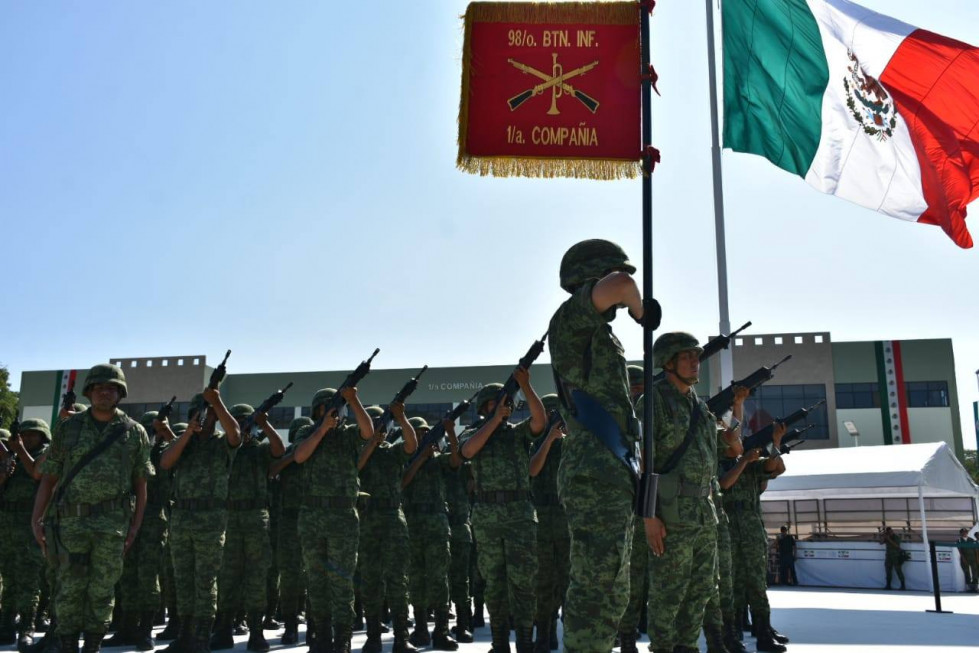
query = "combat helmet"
{"x": 322, "y": 398}
{"x": 592, "y": 259}
{"x": 147, "y": 420}
{"x": 241, "y": 411}
{"x": 636, "y": 374}
{"x": 297, "y": 424}
{"x": 36, "y": 424}
{"x": 419, "y": 424}
{"x": 374, "y": 412}
{"x": 106, "y": 373}
{"x": 179, "y": 428}
{"x": 669, "y": 345}
{"x": 197, "y": 404}
{"x": 487, "y": 394}
{"x": 551, "y": 403}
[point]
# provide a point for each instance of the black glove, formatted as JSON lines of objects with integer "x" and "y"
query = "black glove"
{"x": 652, "y": 314}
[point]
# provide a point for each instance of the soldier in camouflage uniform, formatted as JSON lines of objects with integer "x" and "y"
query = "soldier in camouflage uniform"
{"x": 596, "y": 487}
{"x": 553, "y": 536}
{"x": 683, "y": 566}
{"x": 247, "y": 550}
{"x": 292, "y": 577}
{"x": 139, "y": 587}
{"x": 200, "y": 460}
{"x": 749, "y": 539}
{"x": 504, "y": 520}
{"x": 458, "y": 481}
{"x": 168, "y": 589}
{"x": 328, "y": 521}
{"x": 91, "y": 521}
{"x": 425, "y": 509}
{"x": 20, "y": 559}
{"x": 384, "y": 552}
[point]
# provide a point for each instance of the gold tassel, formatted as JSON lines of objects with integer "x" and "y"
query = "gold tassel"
{"x": 506, "y": 166}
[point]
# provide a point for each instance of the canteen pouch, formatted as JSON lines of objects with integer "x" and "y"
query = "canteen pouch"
{"x": 668, "y": 508}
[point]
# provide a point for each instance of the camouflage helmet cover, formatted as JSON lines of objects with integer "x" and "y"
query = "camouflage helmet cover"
{"x": 374, "y": 411}
{"x": 4, "y": 434}
{"x": 79, "y": 408}
{"x": 551, "y": 402}
{"x": 242, "y": 411}
{"x": 592, "y": 259}
{"x": 147, "y": 420}
{"x": 322, "y": 397}
{"x": 36, "y": 424}
{"x": 486, "y": 394}
{"x": 419, "y": 423}
{"x": 669, "y": 345}
{"x": 635, "y": 374}
{"x": 297, "y": 424}
{"x": 179, "y": 428}
{"x": 106, "y": 373}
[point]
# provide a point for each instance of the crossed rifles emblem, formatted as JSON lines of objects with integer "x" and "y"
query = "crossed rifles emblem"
{"x": 556, "y": 82}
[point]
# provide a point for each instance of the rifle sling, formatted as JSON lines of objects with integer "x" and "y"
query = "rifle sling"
{"x": 110, "y": 439}
{"x": 677, "y": 454}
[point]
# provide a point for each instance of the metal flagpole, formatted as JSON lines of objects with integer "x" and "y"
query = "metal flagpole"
{"x": 727, "y": 360}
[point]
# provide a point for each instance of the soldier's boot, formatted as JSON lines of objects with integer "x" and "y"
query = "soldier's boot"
{"x": 732, "y": 636}
{"x": 8, "y": 635}
{"x": 399, "y": 624}
{"x": 420, "y": 636}
{"x": 143, "y": 639}
{"x": 125, "y": 634}
{"x": 462, "y": 631}
{"x": 202, "y": 636}
{"x": 715, "y": 640}
{"x": 554, "y": 631}
{"x": 627, "y": 642}
{"x": 39, "y": 645}
{"x": 69, "y": 643}
{"x": 238, "y": 621}
{"x": 172, "y": 629}
{"x": 644, "y": 618}
{"x": 25, "y": 632}
{"x": 685, "y": 649}
{"x": 323, "y": 634}
{"x": 341, "y": 639}
{"x": 184, "y": 641}
{"x": 766, "y": 643}
{"x": 441, "y": 641}
{"x": 373, "y": 642}
{"x": 223, "y": 637}
{"x": 500, "y": 636}
{"x": 525, "y": 639}
{"x": 358, "y": 613}
{"x": 41, "y": 623}
{"x": 478, "y": 620}
{"x": 92, "y": 642}
{"x": 269, "y": 623}
{"x": 777, "y": 636}
{"x": 290, "y": 635}
{"x": 256, "y": 634}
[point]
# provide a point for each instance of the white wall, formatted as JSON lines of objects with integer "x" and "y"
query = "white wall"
{"x": 867, "y": 421}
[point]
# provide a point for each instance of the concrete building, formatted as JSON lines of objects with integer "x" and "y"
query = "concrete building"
{"x": 889, "y": 392}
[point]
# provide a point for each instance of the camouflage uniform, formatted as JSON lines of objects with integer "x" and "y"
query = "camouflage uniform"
{"x": 289, "y": 553}
{"x": 682, "y": 580}
{"x": 329, "y": 528}
{"x": 384, "y": 549}
{"x": 460, "y": 544}
{"x": 749, "y": 541}
{"x": 90, "y": 525}
{"x": 553, "y": 540}
{"x": 597, "y": 490}
{"x": 20, "y": 558}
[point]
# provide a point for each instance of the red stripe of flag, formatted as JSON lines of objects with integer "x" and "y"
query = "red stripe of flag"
{"x": 902, "y": 393}
{"x": 935, "y": 84}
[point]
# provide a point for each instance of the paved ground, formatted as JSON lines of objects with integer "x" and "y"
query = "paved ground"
{"x": 826, "y": 621}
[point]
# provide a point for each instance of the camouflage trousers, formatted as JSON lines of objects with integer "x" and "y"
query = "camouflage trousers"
{"x": 196, "y": 543}
{"x": 553, "y": 561}
{"x": 289, "y": 557}
{"x": 428, "y": 576}
{"x": 139, "y": 587}
{"x": 384, "y": 556}
{"x": 90, "y": 562}
{"x": 20, "y": 565}
{"x": 681, "y": 581}
{"x": 749, "y": 561}
{"x": 600, "y": 517}
{"x": 168, "y": 588}
{"x": 242, "y": 582}
{"x": 460, "y": 550}
{"x": 506, "y": 535}
{"x": 720, "y": 607}
{"x": 330, "y": 540}
{"x": 638, "y": 578}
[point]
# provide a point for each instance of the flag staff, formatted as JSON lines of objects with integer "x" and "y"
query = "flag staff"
{"x": 727, "y": 361}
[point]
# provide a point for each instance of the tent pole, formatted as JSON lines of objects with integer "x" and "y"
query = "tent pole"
{"x": 932, "y": 571}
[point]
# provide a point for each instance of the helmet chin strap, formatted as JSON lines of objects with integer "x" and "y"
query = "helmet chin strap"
{"x": 686, "y": 380}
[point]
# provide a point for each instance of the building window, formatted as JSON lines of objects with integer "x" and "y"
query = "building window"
{"x": 927, "y": 394}
{"x": 857, "y": 395}
{"x": 771, "y": 402}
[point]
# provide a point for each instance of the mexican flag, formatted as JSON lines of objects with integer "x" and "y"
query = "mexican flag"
{"x": 861, "y": 105}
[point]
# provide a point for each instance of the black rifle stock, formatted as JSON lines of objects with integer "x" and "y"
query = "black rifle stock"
{"x": 438, "y": 430}
{"x": 511, "y": 386}
{"x": 337, "y": 401}
{"x": 723, "y": 400}
{"x": 270, "y": 402}
{"x": 383, "y": 423}
{"x": 763, "y": 437}
{"x": 712, "y": 347}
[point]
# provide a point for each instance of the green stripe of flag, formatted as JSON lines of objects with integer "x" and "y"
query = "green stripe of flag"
{"x": 775, "y": 75}
{"x": 885, "y": 413}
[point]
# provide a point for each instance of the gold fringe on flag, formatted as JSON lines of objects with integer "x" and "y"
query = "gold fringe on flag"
{"x": 598, "y": 12}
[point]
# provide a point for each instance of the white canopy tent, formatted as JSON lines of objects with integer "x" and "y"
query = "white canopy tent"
{"x": 921, "y": 471}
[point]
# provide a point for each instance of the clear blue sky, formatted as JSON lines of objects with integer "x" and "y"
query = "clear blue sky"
{"x": 183, "y": 177}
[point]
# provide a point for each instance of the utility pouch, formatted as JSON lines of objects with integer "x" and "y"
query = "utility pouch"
{"x": 668, "y": 507}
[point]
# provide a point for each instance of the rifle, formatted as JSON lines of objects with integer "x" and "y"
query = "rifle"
{"x": 437, "y": 431}
{"x": 788, "y": 448}
{"x": 217, "y": 376}
{"x": 761, "y": 439}
{"x": 68, "y": 399}
{"x": 723, "y": 400}
{"x": 383, "y": 423}
{"x": 270, "y": 402}
{"x": 511, "y": 386}
{"x": 554, "y": 419}
{"x": 166, "y": 409}
{"x": 337, "y": 401}
{"x": 712, "y": 347}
